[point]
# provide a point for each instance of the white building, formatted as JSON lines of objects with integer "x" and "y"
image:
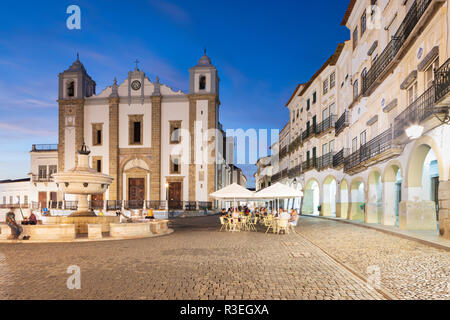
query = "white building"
{"x": 157, "y": 143}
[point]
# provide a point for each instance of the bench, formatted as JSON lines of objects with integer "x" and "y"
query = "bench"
{"x": 129, "y": 230}
{"x": 50, "y": 232}
{"x": 5, "y": 231}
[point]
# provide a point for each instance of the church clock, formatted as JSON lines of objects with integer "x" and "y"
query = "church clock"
{"x": 136, "y": 85}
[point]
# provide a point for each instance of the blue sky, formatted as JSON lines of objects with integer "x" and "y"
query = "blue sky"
{"x": 262, "y": 50}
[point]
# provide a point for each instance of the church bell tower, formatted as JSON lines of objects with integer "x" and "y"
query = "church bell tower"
{"x": 74, "y": 86}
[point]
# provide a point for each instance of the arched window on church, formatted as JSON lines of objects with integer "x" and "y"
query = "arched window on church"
{"x": 71, "y": 89}
{"x": 202, "y": 83}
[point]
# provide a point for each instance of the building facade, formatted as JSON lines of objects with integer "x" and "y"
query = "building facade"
{"x": 369, "y": 130}
{"x": 160, "y": 145}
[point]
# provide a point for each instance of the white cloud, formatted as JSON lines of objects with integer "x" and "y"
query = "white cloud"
{"x": 173, "y": 11}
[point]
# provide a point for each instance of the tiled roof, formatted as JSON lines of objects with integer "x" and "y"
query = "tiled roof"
{"x": 293, "y": 95}
{"x": 350, "y": 7}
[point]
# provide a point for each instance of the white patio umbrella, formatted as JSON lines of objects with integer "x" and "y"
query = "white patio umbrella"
{"x": 278, "y": 191}
{"x": 233, "y": 192}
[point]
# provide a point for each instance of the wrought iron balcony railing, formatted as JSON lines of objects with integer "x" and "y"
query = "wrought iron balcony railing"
{"x": 342, "y": 122}
{"x": 283, "y": 152}
{"x": 44, "y": 147}
{"x": 133, "y": 204}
{"x": 113, "y": 205}
{"x": 309, "y": 132}
{"x": 326, "y": 124}
{"x": 339, "y": 157}
{"x": 371, "y": 149}
{"x": 295, "y": 172}
{"x": 295, "y": 144}
{"x": 156, "y": 205}
{"x": 309, "y": 164}
{"x": 422, "y": 108}
{"x": 70, "y": 205}
{"x": 325, "y": 161}
{"x": 442, "y": 81}
{"x": 276, "y": 177}
{"x": 96, "y": 204}
{"x": 205, "y": 206}
{"x": 385, "y": 59}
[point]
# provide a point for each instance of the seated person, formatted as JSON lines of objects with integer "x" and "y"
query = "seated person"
{"x": 294, "y": 218}
{"x": 32, "y": 220}
{"x": 284, "y": 215}
{"x": 25, "y": 221}
{"x": 224, "y": 212}
{"x": 150, "y": 215}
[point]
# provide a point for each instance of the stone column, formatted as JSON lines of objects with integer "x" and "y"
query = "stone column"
{"x": 355, "y": 211}
{"x": 155, "y": 167}
{"x": 372, "y": 209}
{"x": 192, "y": 165}
{"x": 212, "y": 125}
{"x": 388, "y": 217}
{"x": 444, "y": 209}
{"x": 114, "y": 193}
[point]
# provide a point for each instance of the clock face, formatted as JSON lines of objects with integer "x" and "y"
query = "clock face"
{"x": 136, "y": 85}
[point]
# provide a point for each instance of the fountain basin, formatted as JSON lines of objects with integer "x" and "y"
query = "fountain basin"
{"x": 81, "y": 223}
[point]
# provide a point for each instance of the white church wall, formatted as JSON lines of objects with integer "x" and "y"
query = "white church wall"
{"x": 174, "y": 111}
{"x": 125, "y": 111}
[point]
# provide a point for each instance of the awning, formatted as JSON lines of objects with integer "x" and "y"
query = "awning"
{"x": 278, "y": 191}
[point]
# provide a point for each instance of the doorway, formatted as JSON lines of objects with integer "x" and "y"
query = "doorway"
{"x": 175, "y": 202}
{"x": 136, "y": 189}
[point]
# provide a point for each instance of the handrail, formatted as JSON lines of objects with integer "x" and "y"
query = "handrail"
{"x": 442, "y": 81}
{"x": 393, "y": 47}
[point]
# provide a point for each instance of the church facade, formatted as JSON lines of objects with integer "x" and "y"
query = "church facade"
{"x": 157, "y": 143}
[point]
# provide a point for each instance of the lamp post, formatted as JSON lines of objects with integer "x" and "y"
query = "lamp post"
{"x": 167, "y": 195}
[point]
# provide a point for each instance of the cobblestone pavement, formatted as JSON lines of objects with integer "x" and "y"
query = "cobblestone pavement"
{"x": 409, "y": 270}
{"x": 195, "y": 262}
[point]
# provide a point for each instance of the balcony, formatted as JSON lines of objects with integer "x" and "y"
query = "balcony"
{"x": 326, "y": 125}
{"x": 338, "y": 158}
{"x": 390, "y": 56}
{"x": 309, "y": 165}
{"x": 295, "y": 172}
{"x": 325, "y": 161}
{"x": 418, "y": 111}
{"x": 378, "y": 149}
{"x": 44, "y": 147}
{"x": 308, "y": 133}
{"x": 41, "y": 178}
{"x": 280, "y": 175}
{"x": 276, "y": 177}
{"x": 442, "y": 83}
{"x": 342, "y": 123}
{"x": 283, "y": 152}
{"x": 295, "y": 144}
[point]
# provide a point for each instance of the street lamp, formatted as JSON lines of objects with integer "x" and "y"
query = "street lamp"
{"x": 167, "y": 195}
{"x": 414, "y": 131}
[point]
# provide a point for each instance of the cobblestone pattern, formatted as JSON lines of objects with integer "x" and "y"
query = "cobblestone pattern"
{"x": 196, "y": 262}
{"x": 409, "y": 269}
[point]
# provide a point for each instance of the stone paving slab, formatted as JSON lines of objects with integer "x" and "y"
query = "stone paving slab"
{"x": 408, "y": 269}
{"x": 195, "y": 262}
{"x": 426, "y": 237}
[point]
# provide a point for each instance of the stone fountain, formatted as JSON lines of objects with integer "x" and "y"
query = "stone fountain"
{"x": 83, "y": 181}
